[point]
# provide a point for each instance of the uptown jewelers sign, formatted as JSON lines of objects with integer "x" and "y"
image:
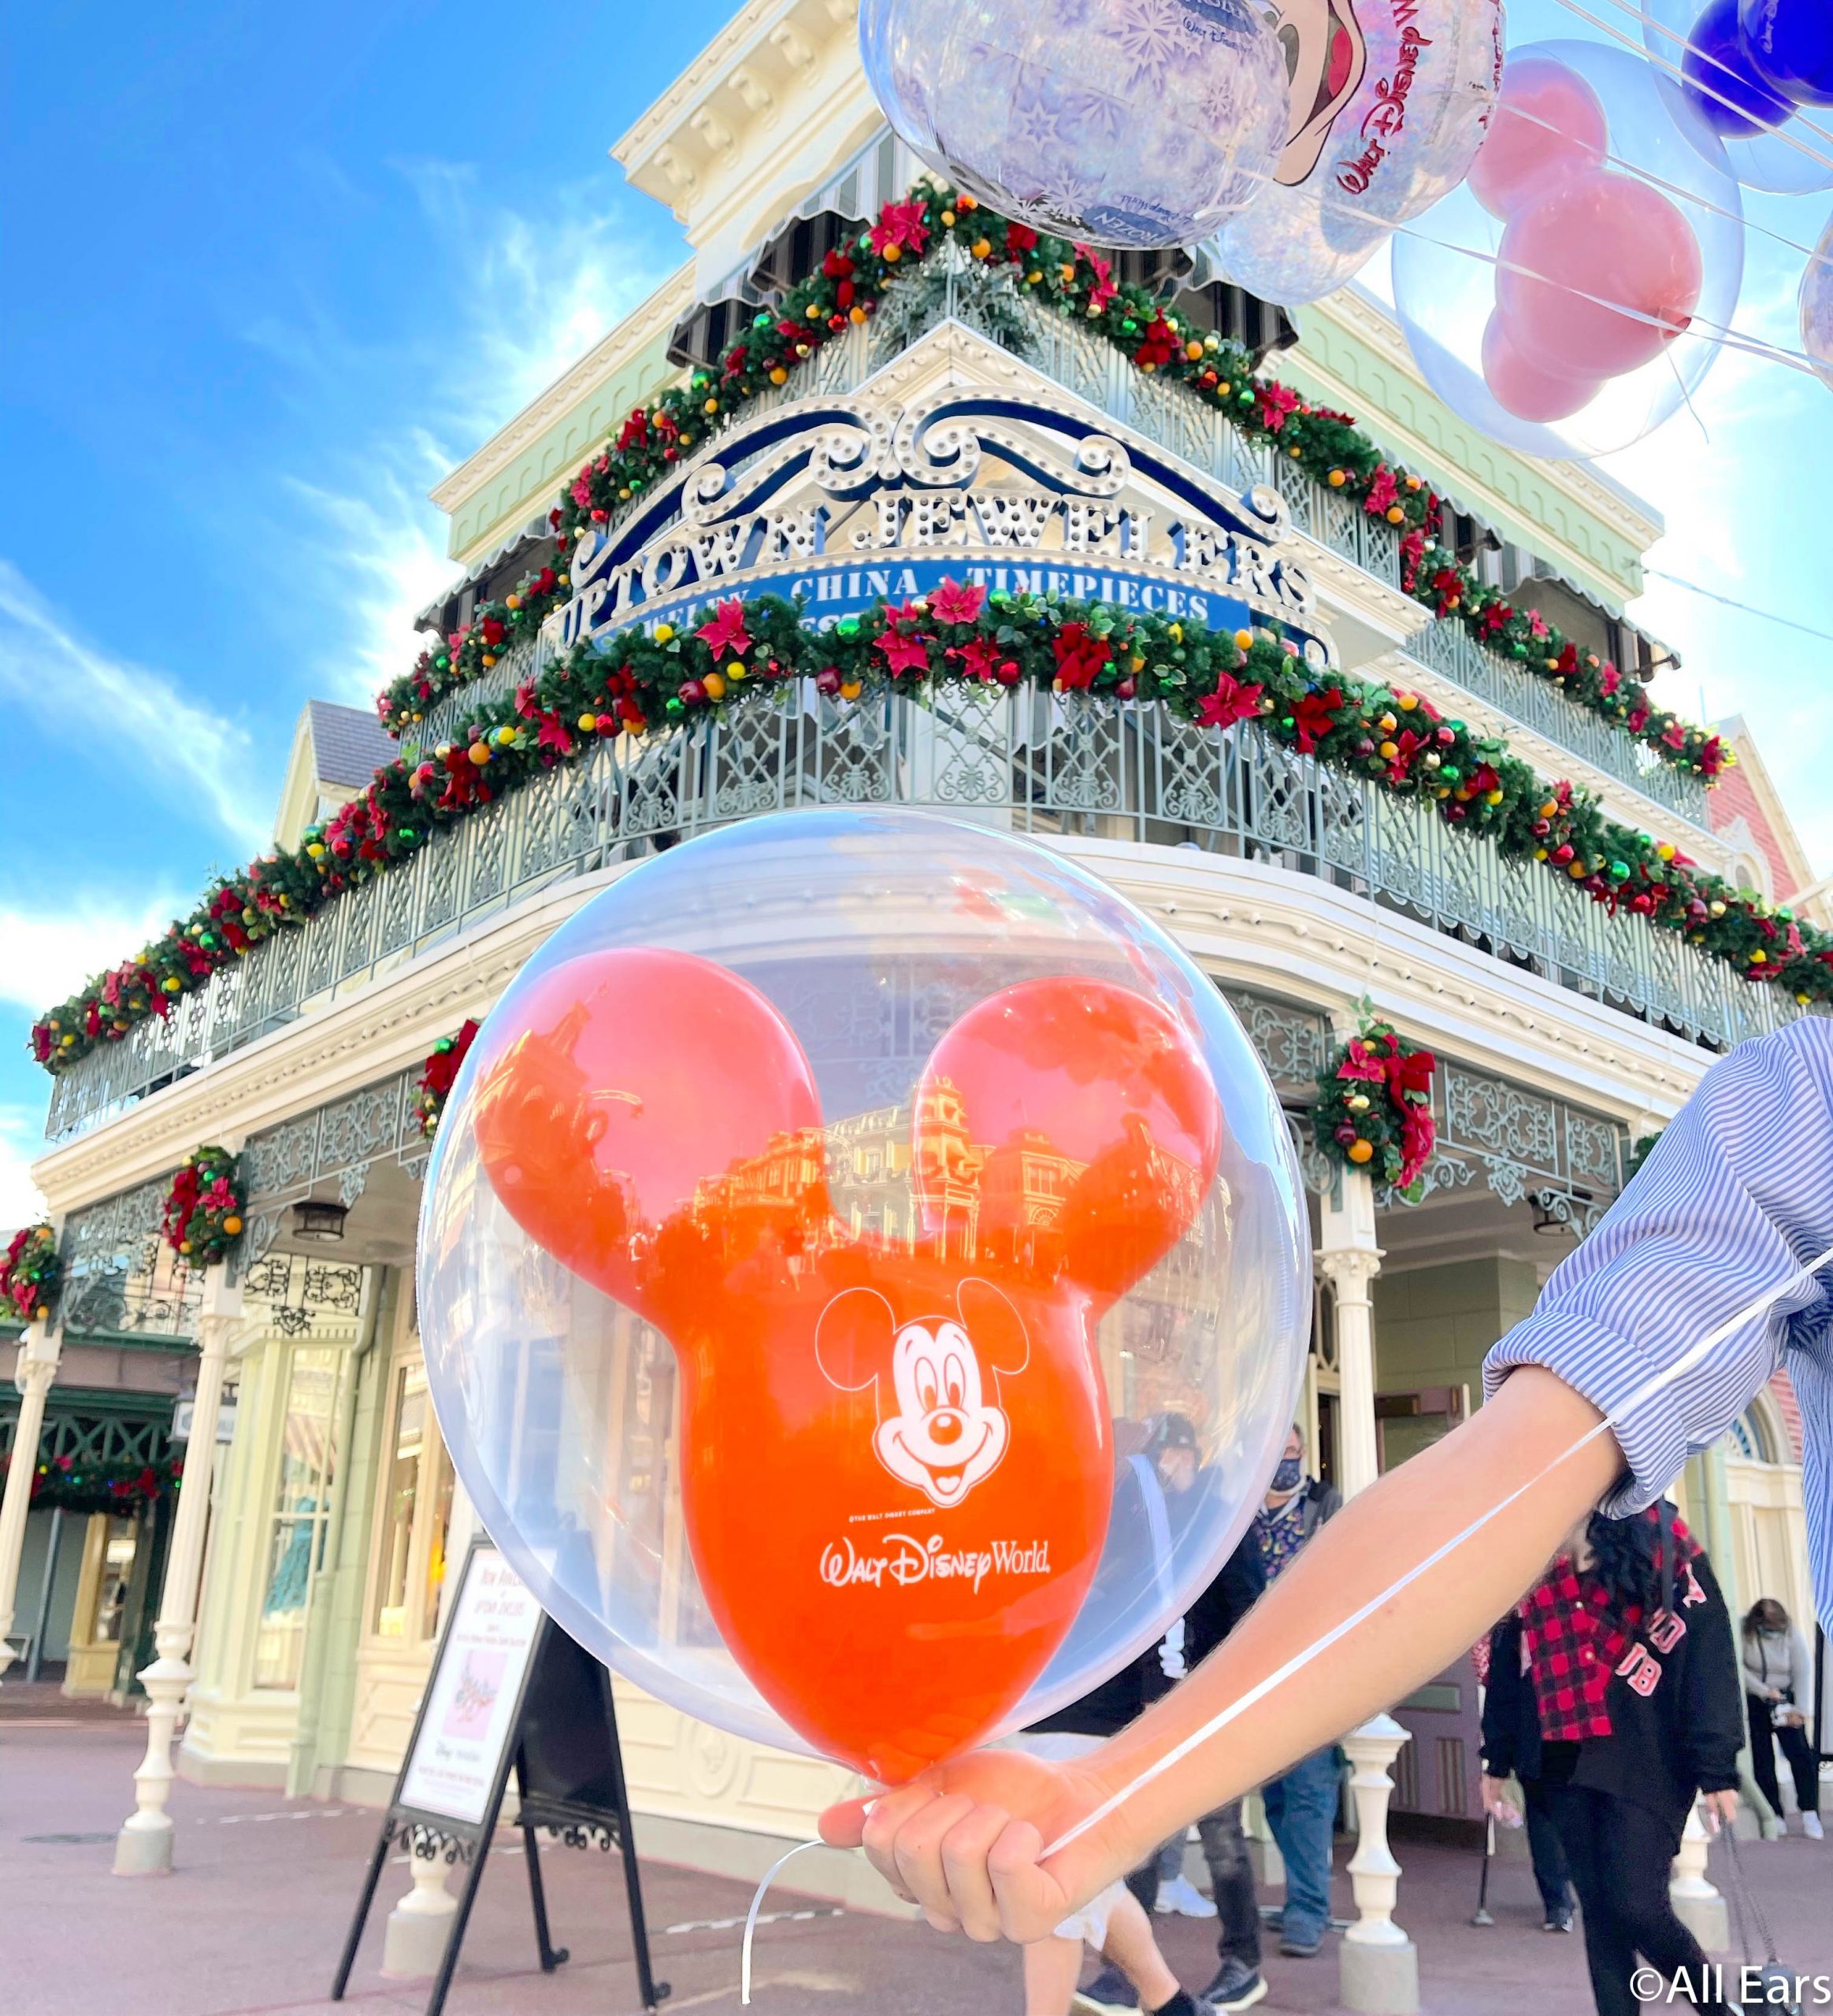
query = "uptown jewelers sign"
{"x": 838, "y": 504}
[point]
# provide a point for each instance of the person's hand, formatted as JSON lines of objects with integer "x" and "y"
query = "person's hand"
{"x": 1496, "y": 1802}
{"x": 1792, "y": 1718}
{"x": 1721, "y": 1810}
{"x": 966, "y": 1842}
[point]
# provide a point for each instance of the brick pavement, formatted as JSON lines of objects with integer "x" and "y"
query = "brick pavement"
{"x": 252, "y": 1923}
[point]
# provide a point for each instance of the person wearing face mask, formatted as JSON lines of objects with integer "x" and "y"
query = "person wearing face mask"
{"x": 1301, "y": 1806}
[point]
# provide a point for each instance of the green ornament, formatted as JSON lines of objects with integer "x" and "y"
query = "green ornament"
{"x": 673, "y": 707}
{"x": 1619, "y": 871}
{"x": 1449, "y": 772}
{"x": 848, "y": 626}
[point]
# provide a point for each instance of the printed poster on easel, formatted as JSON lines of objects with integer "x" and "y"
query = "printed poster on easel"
{"x": 474, "y": 1693}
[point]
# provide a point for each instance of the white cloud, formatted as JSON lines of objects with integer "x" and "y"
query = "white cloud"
{"x": 85, "y": 696}
{"x": 526, "y": 299}
{"x": 63, "y": 948}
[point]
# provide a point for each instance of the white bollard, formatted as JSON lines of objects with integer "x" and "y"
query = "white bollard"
{"x": 1698, "y": 1905}
{"x": 418, "y": 1927}
{"x": 1380, "y": 1965}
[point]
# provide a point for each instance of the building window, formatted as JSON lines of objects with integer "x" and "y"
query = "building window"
{"x": 416, "y": 1511}
{"x": 301, "y": 1511}
{"x": 111, "y": 1588}
{"x": 1750, "y": 1438}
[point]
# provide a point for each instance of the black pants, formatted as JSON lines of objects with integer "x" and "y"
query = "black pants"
{"x": 1550, "y": 1874}
{"x": 1618, "y": 1856}
{"x": 1802, "y": 1763}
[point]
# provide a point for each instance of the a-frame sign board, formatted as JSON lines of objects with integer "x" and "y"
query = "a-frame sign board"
{"x": 509, "y": 1693}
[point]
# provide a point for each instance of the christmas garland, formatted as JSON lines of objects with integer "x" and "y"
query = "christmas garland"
{"x": 960, "y": 638}
{"x": 435, "y": 1083}
{"x": 1075, "y": 279}
{"x": 59, "y": 1482}
{"x": 1375, "y": 1106}
{"x": 30, "y": 1273}
{"x": 203, "y": 1207}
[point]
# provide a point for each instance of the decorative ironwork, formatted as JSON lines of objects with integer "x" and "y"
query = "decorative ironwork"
{"x": 120, "y": 1276}
{"x": 294, "y": 1290}
{"x": 1530, "y": 1146}
{"x": 1292, "y": 1043}
{"x": 1052, "y": 764}
{"x": 1448, "y": 648}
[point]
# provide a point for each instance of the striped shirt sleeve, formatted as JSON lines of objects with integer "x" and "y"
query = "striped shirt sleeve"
{"x": 1736, "y": 1198}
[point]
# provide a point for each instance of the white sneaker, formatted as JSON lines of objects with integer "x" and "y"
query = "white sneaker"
{"x": 1811, "y": 1828}
{"x": 1182, "y": 1897}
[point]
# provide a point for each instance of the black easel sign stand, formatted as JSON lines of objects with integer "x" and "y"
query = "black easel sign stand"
{"x": 509, "y": 1691}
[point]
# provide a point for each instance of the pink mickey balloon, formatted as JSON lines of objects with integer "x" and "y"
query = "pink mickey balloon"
{"x": 1597, "y": 276}
{"x": 1522, "y": 387}
{"x": 1549, "y": 124}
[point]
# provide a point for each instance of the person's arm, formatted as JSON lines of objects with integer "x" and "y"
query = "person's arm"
{"x": 967, "y": 1841}
{"x": 1710, "y": 1713}
{"x": 1733, "y": 1201}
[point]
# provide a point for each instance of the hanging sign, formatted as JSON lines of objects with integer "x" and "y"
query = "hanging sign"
{"x": 838, "y": 505}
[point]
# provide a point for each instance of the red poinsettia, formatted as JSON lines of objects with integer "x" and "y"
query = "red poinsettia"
{"x": 953, "y": 603}
{"x": 902, "y": 226}
{"x": 1313, "y": 716}
{"x": 1080, "y": 656}
{"x": 724, "y": 633}
{"x": 1232, "y": 701}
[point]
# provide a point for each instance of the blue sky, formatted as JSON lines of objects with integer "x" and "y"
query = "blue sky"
{"x": 274, "y": 271}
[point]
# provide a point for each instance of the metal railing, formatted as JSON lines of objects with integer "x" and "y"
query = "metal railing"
{"x": 1052, "y": 764}
{"x": 1174, "y": 418}
{"x": 1448, "y": 648}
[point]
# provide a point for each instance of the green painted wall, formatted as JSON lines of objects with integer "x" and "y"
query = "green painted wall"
{"x": 533, "y": 480}
{"x": 1523, "y": 502}
{"x": 1434, "y": 1324}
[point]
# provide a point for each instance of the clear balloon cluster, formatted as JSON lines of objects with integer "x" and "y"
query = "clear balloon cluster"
{"x": 1570, "y": 297}
{"x": 1744, "y": 70}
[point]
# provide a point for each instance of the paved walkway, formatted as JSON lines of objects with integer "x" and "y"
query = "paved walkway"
{"x": 252, "y": 1922}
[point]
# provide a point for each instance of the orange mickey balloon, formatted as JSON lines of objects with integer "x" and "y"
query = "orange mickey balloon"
{"x": 631, "y": 1079}
{"x": 898, "y": 1466}
{"x": 1084, "y": 1094}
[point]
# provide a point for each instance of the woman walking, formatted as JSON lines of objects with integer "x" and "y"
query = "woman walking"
{"x": 1618, "y": 1669}
{"x": 1779, "y": 1677}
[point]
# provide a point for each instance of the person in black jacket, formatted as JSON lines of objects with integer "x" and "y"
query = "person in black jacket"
{"x": 1615, "y": 1685}
{"x": 1161, "y": 1492}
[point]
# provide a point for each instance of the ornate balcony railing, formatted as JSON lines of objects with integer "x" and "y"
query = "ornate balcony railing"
{"x": 1450, "y": 649}
{"x": 1043, "y": 763}
{"x": 1171, "y": 416}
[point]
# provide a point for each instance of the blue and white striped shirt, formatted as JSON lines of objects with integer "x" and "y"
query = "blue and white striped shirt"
{"x": 1736, "y": 1198}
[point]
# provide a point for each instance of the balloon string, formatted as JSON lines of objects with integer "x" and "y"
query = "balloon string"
{"x": 750, "y": 1917}
{"x": 1814, "y": 256}
{"x": 1694, "y": 83}
{"x": 1299, "y": 1661}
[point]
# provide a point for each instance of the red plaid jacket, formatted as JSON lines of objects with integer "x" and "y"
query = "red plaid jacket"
{"x": 1572, "y": 1642}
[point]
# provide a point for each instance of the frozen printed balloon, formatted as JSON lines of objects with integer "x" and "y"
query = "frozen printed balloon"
{"x": 1738, "y": 73}
{"x": 1792, "y": 41}
{"x": 1389, "y": 100}
{"x": 820, "y": 1227}
{"x": 1130, "y": 123}
{"x": 1549, "y": 124}
{"x": 1818, "y": 307}
{"x": 1599, "y": 281}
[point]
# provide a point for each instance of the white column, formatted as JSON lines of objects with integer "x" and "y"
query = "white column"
{"x": 1697, "y": 1904}
{"x": 36, "y": 1367}
{"x": 1380, "y": 1965}
{"x": 1350, "y": 1260}
{"x": 143, "y": 1847}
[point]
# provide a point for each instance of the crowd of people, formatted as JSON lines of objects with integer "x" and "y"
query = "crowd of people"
{"x": 1617, "y": 1694}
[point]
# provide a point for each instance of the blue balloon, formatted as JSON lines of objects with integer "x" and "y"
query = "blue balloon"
{"x": 1791, "y": 43}
{"x": 1723, "y": 85}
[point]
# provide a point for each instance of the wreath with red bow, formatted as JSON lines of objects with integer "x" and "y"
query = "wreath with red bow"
{"x": 436, "y": 1081}
{"x": 203, "y": 1207}
{"x": 1374, "y": 1108}
{"x": 30, "y": 1272}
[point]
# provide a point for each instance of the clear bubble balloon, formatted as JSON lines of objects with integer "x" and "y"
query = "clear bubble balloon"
{"x": 1817, "y": 307}
{"x": 1588, "y": 310}
{"x": 1130, "y": 123}
{"x": 1388, "y": 103}
{"x": 1715, "y": 58}
{"x": 855, "y": 1228}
